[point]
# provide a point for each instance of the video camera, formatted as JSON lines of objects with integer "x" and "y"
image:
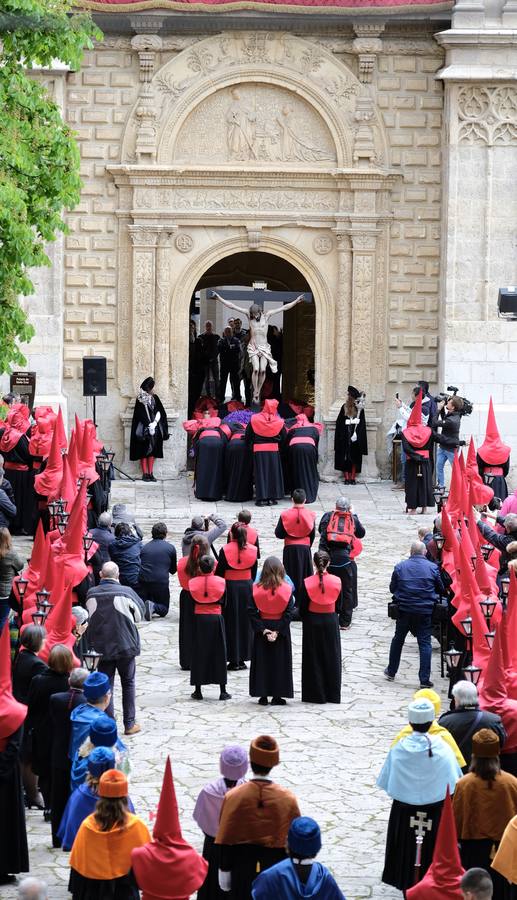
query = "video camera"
{"x": 467, "y": 405}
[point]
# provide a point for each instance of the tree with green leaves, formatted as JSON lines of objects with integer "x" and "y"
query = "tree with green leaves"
{"x": 39, "y": 159}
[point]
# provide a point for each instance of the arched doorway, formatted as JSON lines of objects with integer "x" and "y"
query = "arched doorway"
{"x": 242, "y": 274}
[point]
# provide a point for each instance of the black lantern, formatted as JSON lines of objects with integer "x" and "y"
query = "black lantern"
{"x": 42, "y": 597}
{"x": 472, "y": 673}
{"x": 486, "y": 551}
{"x": 62, "y": 504}
{"x": 22, "y": 586}
{"x": 91, "y": 660}
{"x": 439, "y": 541}
{"x": 38, "y": 618}
{"x": 53, "y": 507}
{"x": 504, "y": 587}
{"x": 88, "y": 540}
{"x": 453, "y": 657}
{"x": 110, "y": 454}
{"x": 466, "y": 624}
{"x": 61, "y": 526}
{"x": 490, "y": 638}
{"x": 487, "y": 608}
{"x": 438, "y": 494}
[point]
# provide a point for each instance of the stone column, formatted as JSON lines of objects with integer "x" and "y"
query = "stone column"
{"x": 144, "y": 284}
{"x": 343, "y": 316}
{"x": 162, "y": 373}
{"x": 363, "y": 292}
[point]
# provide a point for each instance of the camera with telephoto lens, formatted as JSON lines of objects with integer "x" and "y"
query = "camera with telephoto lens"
{"x": 468, "y": 406}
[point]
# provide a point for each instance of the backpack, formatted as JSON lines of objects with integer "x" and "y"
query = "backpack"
{"x": 341, "y": 528}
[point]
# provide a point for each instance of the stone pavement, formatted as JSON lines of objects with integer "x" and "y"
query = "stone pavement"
{"x": 330, "y": 755}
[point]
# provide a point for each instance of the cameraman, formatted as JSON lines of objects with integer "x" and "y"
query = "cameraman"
{"x": 210, "y": 527}
{"x": 448, "y": 420}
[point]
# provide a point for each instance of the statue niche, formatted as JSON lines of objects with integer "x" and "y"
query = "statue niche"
{"x": 255, "y": 123}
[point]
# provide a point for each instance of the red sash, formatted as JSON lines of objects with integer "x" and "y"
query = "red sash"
{"x": 237, "y": 574}
{"x": 16, "y": 467}
{"x": 489, "y": 470}
{"x": 423, "y": 453}
{"x": 272, "y": 605}
{"x": 265, "y": 448}
{"x": 320, "y": 602}
{"x": 237, "y": 437}
{"x": 209, "y": 432}
{"x": 302, "y": 440}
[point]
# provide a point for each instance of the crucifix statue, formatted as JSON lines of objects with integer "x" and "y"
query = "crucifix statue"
{"x": 420, "y": 824}
{"x": 259, "y": 351}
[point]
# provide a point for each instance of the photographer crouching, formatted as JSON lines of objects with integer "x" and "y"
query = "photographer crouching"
{"x": 446, "y": 433}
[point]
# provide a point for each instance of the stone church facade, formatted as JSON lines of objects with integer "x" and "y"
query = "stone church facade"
{"x": 374, "y": 150}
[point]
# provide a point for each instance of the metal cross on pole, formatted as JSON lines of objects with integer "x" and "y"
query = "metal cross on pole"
{"x": 420, "y": 824}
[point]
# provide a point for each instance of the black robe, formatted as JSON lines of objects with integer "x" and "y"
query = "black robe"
{"x": 24, "y": 492}
{"x": 14, "y": 852}
{"x": 297, "y": 558}
{"x": 343, "y": 566}
{"x": 236, "y": 620}
{"x": 321, "y": 654}
{"x": 208, "y": 664}
{"x": 418, "y": 481}
{"x": 303, "y": 461}
{"x": 186, "y": 628}
{"x": 271, "y": 670}
{"x": 141, "y": 443}
{"x": 348, "y": 453}
{"x": 209, "y": 471}
{"x": 498, "y": 483}
{"x": 267, "y": 465}
{"x": 238, "y": 467}
{"x": 399, "y": 862}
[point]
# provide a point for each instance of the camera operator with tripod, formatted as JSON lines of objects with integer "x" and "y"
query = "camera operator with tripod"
{"x": 446, "y": 432}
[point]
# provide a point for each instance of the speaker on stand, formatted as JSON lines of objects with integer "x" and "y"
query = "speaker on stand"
{"x": 95, "y": 380}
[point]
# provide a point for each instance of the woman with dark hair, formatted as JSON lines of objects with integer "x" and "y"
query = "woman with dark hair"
{"x": 350, "y": 438}
{"x": 188, "y": 567}
{"x": 484, "y": 802}
{"x": 149, "y": 429}
{"x": 271, "y": 610}
{"x": 100, "y": 861}
{"x": 237, "y": 564}
{"x": 208, "y": 638}
{"x": 53, "y": 681}
{"x": 320, "y": 605}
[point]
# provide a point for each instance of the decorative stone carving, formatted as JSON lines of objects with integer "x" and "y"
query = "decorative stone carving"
{"x": 364, "y": 146}
{"x": 343, "y": 314}
{"x": 254, "y": 123}
{"x": 146, "y": 45}
{"x": 162, "y": 312}
{"x": 322, "y": 244}
{"x": 367, "y": 45}
{"x": 487, "y": 115}
{"x": 254, "y": 236}
{"x": 184, "y": 242}
{"x": 239, "y": 199}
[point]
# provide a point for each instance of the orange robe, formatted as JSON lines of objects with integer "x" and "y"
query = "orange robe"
{"x": 105, "y": 855}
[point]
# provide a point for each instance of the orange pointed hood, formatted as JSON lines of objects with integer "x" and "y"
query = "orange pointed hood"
{"x": 12, "y": 713}
{"x": 442, "y": 879}
{"x": 493, "y": 451}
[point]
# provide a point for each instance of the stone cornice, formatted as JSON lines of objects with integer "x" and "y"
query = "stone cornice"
{"x": 174, "y": 176}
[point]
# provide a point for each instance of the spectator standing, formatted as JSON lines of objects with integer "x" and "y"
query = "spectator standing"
{"x": 476, "y": 884}
{"x": 60, "y": 708}
{"x": 157, "y": 562}
{"x": 465, "y": 718}
{"x": 125, "y": 552}
{"x": 114, "y": 611}
{"x": 32, "y": 889}
{"x": 120, "y": 513}
{"x": 416, "y": 585}
{"x": 11, "y": 564}
{"x": 209, "y": 342}
{"x": 446, "y": 433}
{"x": 229, "y": 348}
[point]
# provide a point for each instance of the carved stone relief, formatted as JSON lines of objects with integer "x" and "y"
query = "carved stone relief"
{"x": 487, "y": 115}
{"x": 254, "y": 123}
{"x": 184, "y": 242}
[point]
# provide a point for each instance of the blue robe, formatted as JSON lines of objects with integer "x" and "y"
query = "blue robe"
{"x": 281, "y": 882}
{"x": 81, "y": 804}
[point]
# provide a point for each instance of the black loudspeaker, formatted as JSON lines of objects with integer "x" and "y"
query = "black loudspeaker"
{"x": 507, "y": 302}
{"x": 94, "y": 376}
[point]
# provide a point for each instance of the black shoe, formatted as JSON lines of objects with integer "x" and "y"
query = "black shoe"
{"x": 197, "y": 695}
{"x": 387, "y": 675}
{"x": 278, "y": 701}
{"x": 273, "y": 502}
{"x": 33, "y": 804}
{"x": 224, "y": 695}
{"x": 232, "y": 667}
{"x": 149, "y": 609}
{"x": 242, "y": 665}
{"x": 145, "y": 477}
{"x": 56, "y": 842}
{"x": 7, "y": 879}
{"x": 46, "y": 815}
{"x": 426, "y": 684}
{"x": 151, "y": 477}
{"x": 263, "y": 701}
{"x": 261, "y": 503}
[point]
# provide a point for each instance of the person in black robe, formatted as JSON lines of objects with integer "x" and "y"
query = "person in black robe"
{"x": 188, "y": 567}
{"x": 342, "y": 561}
{"x": 244, "y": 518}
{"x": 238, "y": 466}
{"x": 60, "y": 707}
{"x": 271, "y": 610}
{"x": 237, "y": 564}
{"x": 14, "y": 853}
{"x": 320, "y": 604}
{"x": 265, "y": 433}
{"x": 18, "y": 471}
{"x": 350, "y": 439}
{"x": 26, "y": 666}
{"x": 196, "y": 372}
{"x": 209, "y": 444}
{"x": 417, "y": 441}
{"x": 302, "y": 444}
{"x": 296, "y": 527}
{"x": 493, "y": 457}
{"x": 149, "y": 429}
{"x": 208, "y": 642}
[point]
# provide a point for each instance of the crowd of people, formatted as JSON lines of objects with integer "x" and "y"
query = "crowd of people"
{"x": 74, "y": 612}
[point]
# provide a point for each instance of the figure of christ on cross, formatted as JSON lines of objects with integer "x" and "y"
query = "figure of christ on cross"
{"x": 259, "y": 351}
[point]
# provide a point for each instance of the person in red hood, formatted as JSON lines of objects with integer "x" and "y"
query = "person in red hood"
{"x": 265, "y": 433}
{"x": 14, "y": 447}
{"x": 303, "y": 439}
{"x": 417, "y": 440}
{"x": 208, "y": 664}
{"x": 493, "y": 457}
{"x": 168, "y": 868}
{"x": 297, "y": 528}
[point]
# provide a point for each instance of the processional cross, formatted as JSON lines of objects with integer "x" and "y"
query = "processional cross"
{"x": 420, "y": 824}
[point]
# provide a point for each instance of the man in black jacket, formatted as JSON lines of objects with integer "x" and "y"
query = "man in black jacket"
{"x": 230, "y": 358}
{"x": 466, "y": 718}
{"x": 103, "y": 536}
{"x": 158, "y": 561}
{"x": 448, "y": 420}
{"x": 209, "y": 342}
{"x": 114, "y": 611}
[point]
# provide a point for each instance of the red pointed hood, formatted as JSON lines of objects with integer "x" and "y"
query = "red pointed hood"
{"x": 415, "y": 433}
{"x": 68, "y": 486}
{"x": 481, "y": 492}
{"x": 47, "y": 579}
{"x": 42, "y": 433}
{"x": 450, "y": 554}
{"x": 12, "y": 713}
{"x": 511, "y": 621}
{"x": 442, "y": 879}
{"x": 463, "y": 596}
{"x": 69, "y": 549}
{"x": 16, "y": 425}
{"x": 494, "y": 693}
{"x": 455, "y": 498}
{"x": 39, "y": 554}
{"x": 61, "y": 433}
{"x": 168, "y": 867}
{"x": 493, "y": 451}
{"x": 48, "y": 482}
{"x": 59, "y": 623}
{"x": 267, "y": 423}
{"x": 73, "y": 458}
{"x": 87, "y": 453}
